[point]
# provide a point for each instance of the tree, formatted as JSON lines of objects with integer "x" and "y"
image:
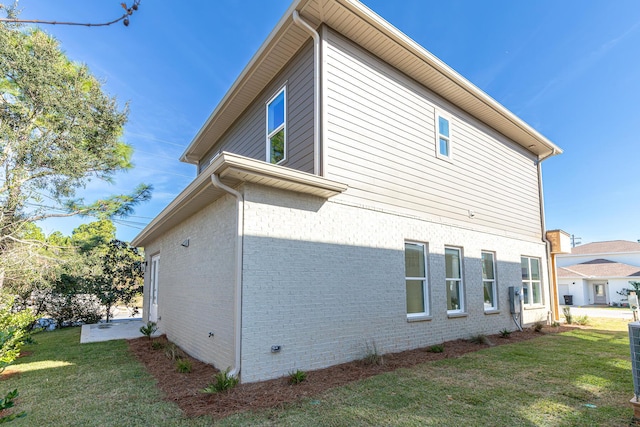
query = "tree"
{"x": 58, "y": 131}
{"x": 121, "y": 277}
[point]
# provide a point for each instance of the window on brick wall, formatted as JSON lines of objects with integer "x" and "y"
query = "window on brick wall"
{"x": 531, "y": 281}
{"x": 415, "y": 266}
{"x": 455, "y": 286}
{"x": 489, "y": 283}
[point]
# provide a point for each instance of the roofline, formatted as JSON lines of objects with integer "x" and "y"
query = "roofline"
{"x": 381, "y": 25}
{"x": 596, "y": 254}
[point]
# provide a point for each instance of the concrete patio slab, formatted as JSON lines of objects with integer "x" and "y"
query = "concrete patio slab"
{"x": 116, "y": 330}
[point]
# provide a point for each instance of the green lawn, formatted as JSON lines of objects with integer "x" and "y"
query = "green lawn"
{"x": 543, "y": 382}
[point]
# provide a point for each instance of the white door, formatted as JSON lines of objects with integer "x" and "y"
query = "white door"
{"x": 153, "y": 293}
{"x": 600, "y": 294}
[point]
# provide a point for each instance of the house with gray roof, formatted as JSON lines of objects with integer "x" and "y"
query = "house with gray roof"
{"x": 352, "y": 191}
{"x": 597, "y": 273}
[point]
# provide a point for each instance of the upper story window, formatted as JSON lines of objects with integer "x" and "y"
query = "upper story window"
{"x": 531, "y": 281}
{"x": 455, "y": 289}
{"x": 489, "y": 281}
{"x": 443, "y": 136}
{"x": 415, "y": 266}
{"x": 276, "y": 127}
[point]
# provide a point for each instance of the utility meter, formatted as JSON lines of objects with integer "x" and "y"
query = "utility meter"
{"x": 515, "y": 299}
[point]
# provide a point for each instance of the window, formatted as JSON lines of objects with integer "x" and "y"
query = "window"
{"x": 531, "y": 287}
{"x": 415, "y": 266}
{"x": 443, "y": 136}
{"x": 489, "y": 281}
{"x": 276, "y": 127}
{"x": 455, "y": 290}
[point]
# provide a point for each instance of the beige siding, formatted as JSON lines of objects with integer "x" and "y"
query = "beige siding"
{"x": 196, "y": 284}
{"x": 247, "y": 136}
{"x": 380, "y": 141}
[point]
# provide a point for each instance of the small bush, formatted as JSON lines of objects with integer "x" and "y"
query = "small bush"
{"x": 183, "y": 366}
{"x": 297, "y": 377}
{"x": 567, "y": 315}
{"x": 372, "y": 357}
{"x": 581, "y": 320}
{"x": 538, "y": 326}
{"x": 7, "y": 403}
{"x": 149, "y": 329}
{"x": 173, "y": 352}
{"x": 505, "y": 333}
{"x": 556, "y": 324}
{"x": 480, "y": 339}
{"x": 157, "y": 345}
{"x": 222, "y": 382}
{"x": 437, "y": 348}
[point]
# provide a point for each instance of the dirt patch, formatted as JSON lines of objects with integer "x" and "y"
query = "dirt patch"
{"x": 9, "y": 374}
{"x": 184, "y": 389}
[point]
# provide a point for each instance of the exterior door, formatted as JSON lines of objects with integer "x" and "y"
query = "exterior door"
{"x": 153, "y": 292}
{"x": 599, "y": 293}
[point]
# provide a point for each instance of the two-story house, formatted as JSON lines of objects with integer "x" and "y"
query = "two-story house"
{"x": 352, "y": 191}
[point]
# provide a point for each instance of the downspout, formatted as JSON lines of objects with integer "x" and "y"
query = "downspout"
{"x": 316, "y": 86}
{"x": 550, "y": 258}
{"x": 215, "y": 180}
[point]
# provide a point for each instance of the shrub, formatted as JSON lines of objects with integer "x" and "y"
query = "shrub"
{"x": 149, "y": 329}
{"x": 183, "y": 366}
{"x": 157, "y": 345}
{"x": 173, "y": 352}
{"x": 8, "y": 403}
{"x": 222, "y": 382}
{"x": 567, "y": 315}
{"x": 505, "y": 333}
{"x": 555, "y": 324}
{"x": 297, "y": 377}
{"x": 15, "y": 324}
{"x": 581, "y": 320}
{"x": 438, "y": 348}
{"x": 538, "y": 326}
{"x": 372, "y": 357}
{"x": 480, "y": 339}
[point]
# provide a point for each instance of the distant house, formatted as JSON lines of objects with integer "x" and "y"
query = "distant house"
{"x": 352, "y": 191}
{"x": 596, "y": 273}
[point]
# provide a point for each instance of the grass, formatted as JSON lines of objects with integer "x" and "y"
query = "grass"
{"x": 543, "y": 382}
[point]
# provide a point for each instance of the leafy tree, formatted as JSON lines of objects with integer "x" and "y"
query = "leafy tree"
{"x": 635, "y": 287}
{"x": 121, "y": 277}
{"x": 58, "y": 131}
{"x": 94, "y": 236}
{"x": 15, "y": 323}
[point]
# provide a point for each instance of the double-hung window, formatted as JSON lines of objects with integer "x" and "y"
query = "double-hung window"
{"x": 415, "y": 266}
{"x": 455, "y": 287}
{"x": 276, "y": 127}
{"x": 489, "y": 281}
{"x": 531, "y": 282}
{"x": 443, "y": 136}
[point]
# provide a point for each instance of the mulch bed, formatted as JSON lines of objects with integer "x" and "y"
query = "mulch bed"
{"x": 185, "y": 389}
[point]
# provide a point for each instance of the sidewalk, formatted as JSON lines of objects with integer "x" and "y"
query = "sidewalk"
{"x": 594, "y": 311}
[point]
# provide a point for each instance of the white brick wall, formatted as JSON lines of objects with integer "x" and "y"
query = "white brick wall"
{"x": 197, "y": 283}
{"x": 323, "y": 279}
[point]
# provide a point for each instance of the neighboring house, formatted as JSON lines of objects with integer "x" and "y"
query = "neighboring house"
{"x": 596, "y": 273}
{"x": 352, "y": 191}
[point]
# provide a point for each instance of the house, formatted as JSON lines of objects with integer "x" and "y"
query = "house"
{"x": 353, "y": 192}
{"x": 598, "y": 273}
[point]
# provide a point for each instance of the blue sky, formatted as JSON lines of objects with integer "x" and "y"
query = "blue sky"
{"x": 569, "y": 68}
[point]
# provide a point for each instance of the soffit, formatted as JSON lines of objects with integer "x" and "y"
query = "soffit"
{"x": 358, "y": 23}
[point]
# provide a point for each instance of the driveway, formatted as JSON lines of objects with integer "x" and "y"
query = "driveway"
{"x": 595, "y": 311}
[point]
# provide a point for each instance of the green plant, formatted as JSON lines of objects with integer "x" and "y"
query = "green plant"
{"x": 555, "y": 324}
{"x": 173, "y": 352}
{"x": 297, "y": 377}
{"x": 437, "y": 348}
{"x": 222, "y": 381}
{"x": 183, "y": 366}
{"x": 581, "y": 320}
{"x": 157, "y": 345}
{"x": 480, "y": 339}
{"x": 567, "y": 315}
{"x": 149, "y": 329}
{"x": 505, "y": 333}
{"x": 7, "y": 403}
{"x": 372, "y": 357}
{"x": 537, "y": 326}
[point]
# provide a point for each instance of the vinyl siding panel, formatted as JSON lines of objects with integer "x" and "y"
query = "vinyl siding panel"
{"x": 380, "y": 140}
{"x": 247, "y": 135}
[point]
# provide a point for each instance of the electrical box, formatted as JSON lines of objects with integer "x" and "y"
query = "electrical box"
{"x": 515, "y": 298}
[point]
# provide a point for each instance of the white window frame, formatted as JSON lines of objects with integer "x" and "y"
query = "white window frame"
{"x": 425, "y": 282}
{"x": 283, "y": 126}
{"x": 529, "y": 283}
{"x": 461, "y": 302}
{"x": 440, "y": 114}
{"x": 494, "y": 281}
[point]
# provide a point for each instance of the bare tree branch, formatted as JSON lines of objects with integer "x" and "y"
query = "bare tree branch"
{"x": 125, "y": 18}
